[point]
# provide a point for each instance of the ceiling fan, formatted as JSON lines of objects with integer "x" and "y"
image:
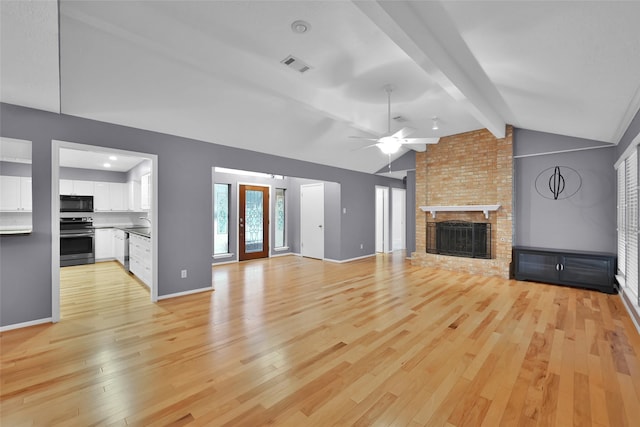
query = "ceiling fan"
{"x": 391, "y": 143}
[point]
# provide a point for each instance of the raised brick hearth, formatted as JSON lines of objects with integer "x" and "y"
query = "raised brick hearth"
{"x": 472, "y": 168}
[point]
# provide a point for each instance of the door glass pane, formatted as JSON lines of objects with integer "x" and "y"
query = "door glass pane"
{"x": 253, "y": 230}
{"x": 221, "y": 219}
{"x": 280, "y": 218}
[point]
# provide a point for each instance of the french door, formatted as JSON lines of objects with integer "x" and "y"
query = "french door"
{"x": 253, "y": 222}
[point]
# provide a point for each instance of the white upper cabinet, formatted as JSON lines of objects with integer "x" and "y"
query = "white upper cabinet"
{"x": 101, "y": 196}
{"x": 66, "y": 186}
{"x": 83, "y": 188}
{"x": 134, "y": 196}
{"x": 118, "y": 198}
{"x": 26, "y": 193}
{"x": 15, "y": 193}
{"x": 9, "y": 193}
{"x": 77, "y": 187}
{"x": 111, "y": 196}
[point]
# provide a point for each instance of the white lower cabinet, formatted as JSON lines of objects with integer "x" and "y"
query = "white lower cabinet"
{"x": 118, "y": 245}
{"x": 140, "y": 257}
{"x": 105, "y": 244}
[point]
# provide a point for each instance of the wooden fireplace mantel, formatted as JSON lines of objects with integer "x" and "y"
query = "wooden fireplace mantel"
{"x": 465, "y": 208}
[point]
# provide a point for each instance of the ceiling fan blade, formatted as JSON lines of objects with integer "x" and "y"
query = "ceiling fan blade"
{"x": 365, "y": 147}
{"x": 404, "y": 132}
{"x": 409, "y": 141}
{"x": 364, "y": 138}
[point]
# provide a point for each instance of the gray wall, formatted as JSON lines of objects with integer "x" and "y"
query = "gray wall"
{"x": 184, "y": 204}
{"x": 92, "y": 175}
{"x": 632, "y": 131}
{"x": 332, "y": 221}
{"x": 15, "y": 169}
{"x": 586, "y": 221}
{"x": 406, "y": 162}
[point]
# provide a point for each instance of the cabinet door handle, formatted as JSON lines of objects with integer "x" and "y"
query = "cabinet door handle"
{"x": 557, "y": 267}
{"x": 561, "y": 267}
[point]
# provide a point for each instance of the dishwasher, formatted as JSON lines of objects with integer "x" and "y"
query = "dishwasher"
{"x": 125, "y": 264}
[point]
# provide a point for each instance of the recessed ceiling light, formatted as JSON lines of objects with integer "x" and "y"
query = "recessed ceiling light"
{"x": 300, "y": 27}
{"x": 113, "y": 158}
{"x": 107, "y": 165}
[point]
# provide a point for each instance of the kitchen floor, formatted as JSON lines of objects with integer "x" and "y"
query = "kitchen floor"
{"x": 99, "y": 290}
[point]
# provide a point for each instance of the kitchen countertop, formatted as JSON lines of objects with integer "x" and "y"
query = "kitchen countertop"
{"x": 140, "y": 230}
{"x": 16, "y": 230}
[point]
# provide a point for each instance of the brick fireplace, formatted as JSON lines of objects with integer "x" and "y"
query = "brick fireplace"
{"x": 468, "y": 169}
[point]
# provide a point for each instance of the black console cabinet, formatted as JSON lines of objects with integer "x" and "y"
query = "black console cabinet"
{"x": 591, "y": 270}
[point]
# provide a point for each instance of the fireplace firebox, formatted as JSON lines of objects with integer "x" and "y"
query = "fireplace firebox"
{"x": 459, "y": 238}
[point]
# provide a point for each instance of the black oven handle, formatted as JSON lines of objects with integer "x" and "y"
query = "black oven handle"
{"x": 77, "y": 235}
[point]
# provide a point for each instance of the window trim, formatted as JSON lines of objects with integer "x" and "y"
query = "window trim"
{"x": 226, "y": 254}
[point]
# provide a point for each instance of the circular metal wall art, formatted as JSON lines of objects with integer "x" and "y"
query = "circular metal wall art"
{"x": 558, "y": 182}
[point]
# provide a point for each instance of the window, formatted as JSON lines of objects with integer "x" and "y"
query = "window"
{"x": 622, "y": 223}
{"x": 221, "y": 219}
{"x": 145, "y": 191}
{"x": 280, "y": 218}
{"x": 628, "y": 225}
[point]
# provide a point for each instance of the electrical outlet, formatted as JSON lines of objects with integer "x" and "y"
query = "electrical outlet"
{"x": 183, "y": 274}
{"x": 361, "y": 246}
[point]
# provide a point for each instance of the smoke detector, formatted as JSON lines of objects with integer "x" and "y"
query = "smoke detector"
{"x": 300, "y": 27}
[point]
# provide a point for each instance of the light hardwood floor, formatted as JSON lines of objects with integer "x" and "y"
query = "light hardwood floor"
{"x": 300, "y": 342}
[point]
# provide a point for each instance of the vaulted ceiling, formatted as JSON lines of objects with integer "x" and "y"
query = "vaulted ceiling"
{"x": 211, "y": 70}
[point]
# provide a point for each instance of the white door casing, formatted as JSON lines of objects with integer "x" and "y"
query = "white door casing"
{"x": 398, "y": 207}
{"x": 382, "y": 219}
{"x": 312, "y": 220}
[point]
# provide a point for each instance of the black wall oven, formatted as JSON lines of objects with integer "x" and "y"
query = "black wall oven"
{"x": 77, "y": 241}
{"x": 76, "y": 203}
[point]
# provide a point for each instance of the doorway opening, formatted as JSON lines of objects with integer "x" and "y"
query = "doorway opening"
{"x": 114, "y": 202}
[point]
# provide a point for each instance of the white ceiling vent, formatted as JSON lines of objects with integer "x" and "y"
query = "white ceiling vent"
{"x": 296, "y": 64}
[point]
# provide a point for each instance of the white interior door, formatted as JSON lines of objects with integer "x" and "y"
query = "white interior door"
{"x": 382, "y": 219}
{"x": 312, "y": 220}
{"x": 398, "y": 208}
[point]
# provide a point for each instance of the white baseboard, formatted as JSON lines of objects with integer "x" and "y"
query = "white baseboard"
{"x": 279, "y": 255}
{"x": 181, "y": 294}
{"x": 26, "y": 324}
{"x": 233, "y": 261}
{"x": 340, "y": 261}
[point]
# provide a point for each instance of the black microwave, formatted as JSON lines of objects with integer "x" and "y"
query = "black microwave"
{"x": 76, "y": 203}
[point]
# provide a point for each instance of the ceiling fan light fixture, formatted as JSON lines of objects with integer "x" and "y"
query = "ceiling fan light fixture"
{"x": 435, "y": 124}
{"x": 389, "y": 145}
